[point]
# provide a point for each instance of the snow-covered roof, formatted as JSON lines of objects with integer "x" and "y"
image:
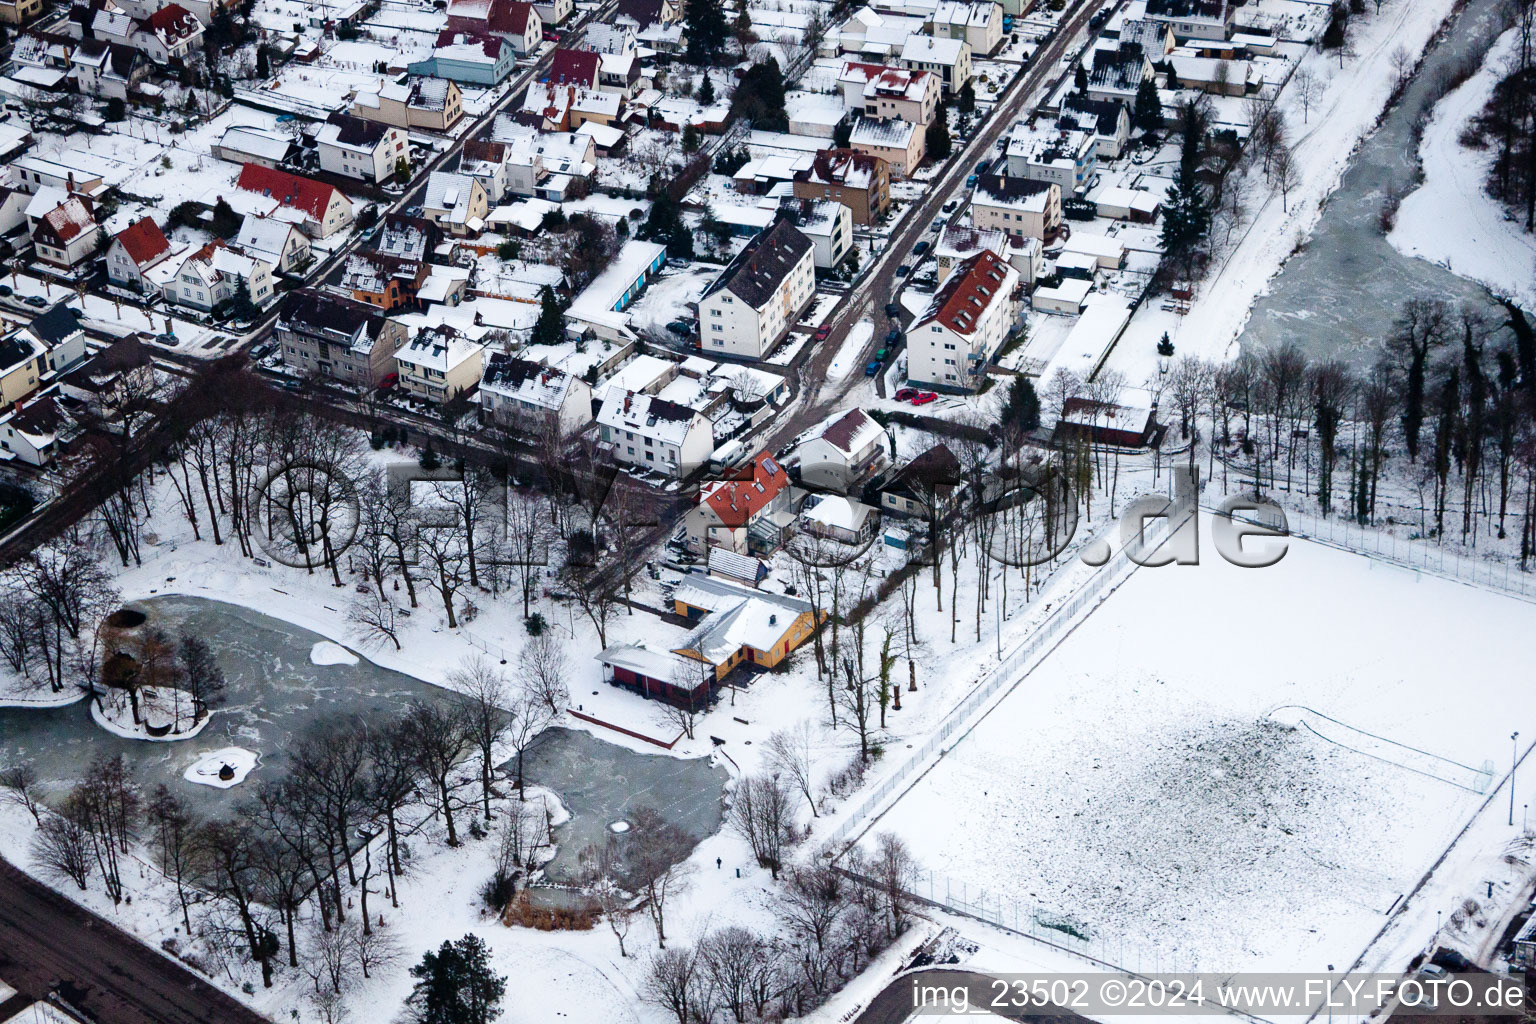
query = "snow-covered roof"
{"x": 927, "y": 49}
{"x": 441, "y": 348}
{"x": 265, "y": 236}
{"x": 600, "y": 301}
{"x": 452, "y": 193}
{"x": 254, "y": 142}
{"x": 647, "y": 416}
{"x": 739, "y": 616}
{"x": 839, "y": 513}
{"x": 882, "y": 132}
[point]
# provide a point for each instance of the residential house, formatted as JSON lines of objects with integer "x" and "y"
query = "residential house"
{"x": 407, "y": 238}
{"x": 107, "y": 70}
{"x": 858, "y": 180}
{"x": 435, "y": 104}
{"x": 554, "y": 13}
{"x": 32, "y": 173}
{"x": 1193, "y": 19}
{"x": 441, "y": 362}
{"x": 34, "y": 433}
{"x": 516, "y": 21}
{"x": 13, "y": 212}
{"x": 901, "y": 144}
{"x": 923, "y": 487}
{"x": 616, "y": 39}
{"x": 220, "y": 273}
{"x": 880, "y": 91}
{"x": 276, "y": 242}
{"x": 1154, "y": 37}
{"x": 759, "y": 295}
{"x": 828, "y": 224}
{"x": 978, "y": 22}
{"x": 738, "y": 624}
{"x": 117, "y": 387}
{"x": 242, "y": 145}
{"x": 478, "y": 59}
{"x": 619, "y": 73}
{"x": 525, "y": 395}
{"x": 1215, "y": 76}
{"x": 1109, "y": 122}
{"x": 170, "y": 34}
{"x": 838, "y": 518}
{"x": 970, "y": 317}
{"x": 1048, "y": 153}
{"x": 19, "y": 12}
{"x": 950, "y": 59}
{"x": 349, "y": 341}
{"x": 489, "y": 163}
{"x": 1116, "y": 75}
{"x": 844, "y": 454}
{"x": 560, "y": 108}
{"x": 31, "y": 356}
{"x": 64, "y": 229}
{"x": 959, "y": 242}
{"x": 133, "y": 251}
{"x": 580, "y": 68}
{"x": 456, "y": 203}
{"x": 1021, "y": 207}
{"x": 747, "y": 511}
{"x": 650, "y": 433}
{"x": 354, "y": 147}
{"x": 644, "y": 14}
{"x": 382, "y": 280}
{"x": 1108, "y": 423}
{"x": 320, "y": 209}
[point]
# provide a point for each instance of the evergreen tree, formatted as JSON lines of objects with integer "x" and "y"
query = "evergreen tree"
{"x": 456, "y": 985}
{"x": 939, "y": 144}
{"x": 965, "y": 99}
{"x": 680, "y": 242}
{"x": 1022, "y": 409}
{"x": 704, "y": 24}
{"x": 662, "y": 220}
{"x": 1165, "y": 346}
{"x": 1186, "y": 213}
{"x": 842, "y": 133}
{"x": 263, "y": 62}
{"x": 226, "y": 222}
{"x": 759, "y": 97}
{"x": 1336, "y": 34}
{"x": 1147, "y": 115}
{"x": 706, "y": 94}
{"x": 690, "y": 138}
{"x": 1080, "y": 79}
{"x": 550, "y": 327}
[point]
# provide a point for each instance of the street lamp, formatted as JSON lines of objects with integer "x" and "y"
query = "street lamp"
{"x": 1514, "y": 762}
{"x": 1330, "y": 994}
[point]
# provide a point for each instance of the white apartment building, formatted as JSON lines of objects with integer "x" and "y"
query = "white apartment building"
{"x": 970, "y": 317}
{"x": 651, "y": 433}
{"x": 759, "y": 295}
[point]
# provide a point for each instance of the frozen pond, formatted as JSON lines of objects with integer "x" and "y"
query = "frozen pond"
{"x": 1341, "y": 293}
{"x": 603, "y": 785}
{"x": 277, "y": 693}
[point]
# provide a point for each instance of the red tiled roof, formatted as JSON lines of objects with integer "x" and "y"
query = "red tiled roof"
{"x": 303, "y": 194}
{"x": 176, "y": 21}
{"x": 574, "y": 67}
{"x": 736, "y": 500}
{"x": 509, "y": 16}
{"x": 143, "y": 240}
{"x": 975, "y": 284}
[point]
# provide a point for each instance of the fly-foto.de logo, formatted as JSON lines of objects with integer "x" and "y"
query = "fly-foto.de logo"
{"x": 1248, "y": 532}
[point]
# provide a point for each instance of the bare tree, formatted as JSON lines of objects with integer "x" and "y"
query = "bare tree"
{"x": 812, "y": 900}
{"x": 330, "y": 961}
{"x": 20, "y": 784}
{"x": 1287, "y": 175}
{"x": 528, "y": 536}
{"x": 1402, "y": 64}
{"x": 372, "y": 617}
{"x": 445, "y": 557}
{"x": 440, "y": 738}
{"x": 63, "y": 845}
{"x": 762, "y": 813}
{"x": 789, "y": 755}
{"x": 173, "y": 824}
{"x": 1308, "y": 88}
{"x": 541, "y": 669}
{"x": 530, "y": 715}
{"x": 485, "y": 697}
{"x": 894, "y": 871}
{"x": 658, "y": 862}
{"x": 741, "y": 967}
{"x": 673, "y": 981}
{"x": 375, "y": 949}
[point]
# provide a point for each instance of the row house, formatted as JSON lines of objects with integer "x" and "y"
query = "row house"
{"x": 859, "y": 181}
{"x": 435, "y": 104}
{"x": 828, "y": 224}
{"x": 965, "y": 325}
{"x": 379, "y": 279}
{"x": 759, "y": 295}
{"x": 31, "y": 356}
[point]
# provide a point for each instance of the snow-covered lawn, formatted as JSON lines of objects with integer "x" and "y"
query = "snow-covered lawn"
{"x": 1167, "y": 777}
{"x": 1450, "y": 219}
{"x": 171, "y": 712}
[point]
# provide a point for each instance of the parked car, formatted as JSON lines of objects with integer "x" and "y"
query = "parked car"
{"x": 893, "y": 309}
{"x": 682, "y": 327}
{"x": 903, "y": 270}
{"x": 5, "y": 289}
{"x": 983, "y": 166}
{"x": 949, "y": 207}
{"x": 905, "y": 394}
{"x": 970, "y": 182}
{"x": 823, "y": 332}
{"x": 892, "y": 335}
{"x": 872, "y": 368}
{"x": 924, "y": 397}
{"x": 36, "y": 300}
{"x": 390, "y": 380}
{"x": 880, "y": 354}
{"x": 920, "y": 247}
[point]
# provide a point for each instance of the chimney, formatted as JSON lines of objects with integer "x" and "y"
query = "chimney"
{"x": 629, "y": 398}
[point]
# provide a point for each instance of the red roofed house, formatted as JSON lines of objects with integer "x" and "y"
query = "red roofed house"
{"x": 516, "y": 21}
{"x": 323, "y": 209}
{"x": 170, "y": 34}
{"x": 133, "y": 251}
{"x": 575, "y": 67}
{"x": 746, "y": 512}
{"x": 65, "y": 234}
{"x": 858, "y": 180}
{"x": 969, "y": 319}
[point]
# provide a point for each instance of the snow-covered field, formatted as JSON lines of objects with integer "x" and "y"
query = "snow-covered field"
{"x": 1156, "y": 782}
{"x": 1485, "y": 244}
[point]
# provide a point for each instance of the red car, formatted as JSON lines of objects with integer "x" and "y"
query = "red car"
{"x": 823, "y": 332}
{"x": 924, "y": 397}
{"x": 906, "y": 394}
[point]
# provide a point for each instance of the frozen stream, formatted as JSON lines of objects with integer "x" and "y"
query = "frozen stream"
{"x": 1340, "y": 294}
